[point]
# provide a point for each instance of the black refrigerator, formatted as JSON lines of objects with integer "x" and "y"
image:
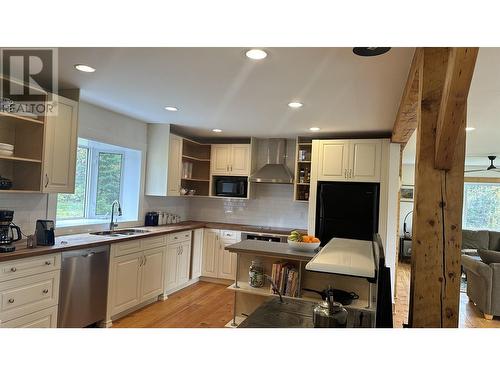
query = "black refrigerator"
{"x": 347, "y": 210}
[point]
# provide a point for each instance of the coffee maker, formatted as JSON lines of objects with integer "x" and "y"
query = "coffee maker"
{"x": 6, "y": 226}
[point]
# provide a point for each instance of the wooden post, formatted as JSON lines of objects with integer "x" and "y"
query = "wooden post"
{"x": 437, "y": 215}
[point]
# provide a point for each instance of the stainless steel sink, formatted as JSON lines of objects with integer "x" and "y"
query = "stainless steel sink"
{"x": 120, "y": 232}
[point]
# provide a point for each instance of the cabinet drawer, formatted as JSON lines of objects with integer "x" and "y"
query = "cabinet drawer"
{"x": 179, "y": 237}
{"x": 46, "y": 318}
{"x": 230, "y": 235}
{"x": 29, "y": 266}
{"x": 24, "y": 296}
{"x": 153, "y": 242}
{"x": 125, "y": 247}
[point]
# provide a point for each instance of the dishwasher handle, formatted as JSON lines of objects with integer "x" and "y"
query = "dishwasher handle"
{"x": 89, "y": 254}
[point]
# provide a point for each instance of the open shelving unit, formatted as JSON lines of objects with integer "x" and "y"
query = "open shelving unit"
{"x": 26, "y": 133}
{"x": 195, "y": 173}
{"x": 302, "y": 169}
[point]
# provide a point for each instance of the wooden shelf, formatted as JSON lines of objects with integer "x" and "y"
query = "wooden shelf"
{"x": 195, "y": 159}
{"x": 195, "y": 179}
{"x": 22, "y": 118}
{"x": 303, "y": 161}
{"x": 15, "y": 158}
{"x": 304, "y": 144}
{"x": 303, "y": 183}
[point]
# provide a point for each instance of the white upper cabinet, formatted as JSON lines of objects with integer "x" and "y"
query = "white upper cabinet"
{"x": 230, "y": 159}
{"x": 349, "y": 160}
{"x": 365, "y": 160}
{"x": 164, "y": 161}
{"x": 174, "y": 166}
{"x": 333, "y": 161}
{"x": 61, "y": 134}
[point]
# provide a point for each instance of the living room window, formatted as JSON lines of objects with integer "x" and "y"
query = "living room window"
{"x": 104, "y": 173}
{"x": 481, "y": 206}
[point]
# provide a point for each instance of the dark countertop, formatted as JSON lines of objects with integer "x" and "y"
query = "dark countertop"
{"x": 271, "y": 249}
{"x": 297, "y": 314}
{"x": 83, "y": 240}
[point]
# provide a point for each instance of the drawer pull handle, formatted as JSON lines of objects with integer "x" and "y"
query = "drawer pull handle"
{"x": 13, "y": 269}
{"x": 48, "y": 263}
{"x": 11, "y": 300}
{"x": 45, "y": 291}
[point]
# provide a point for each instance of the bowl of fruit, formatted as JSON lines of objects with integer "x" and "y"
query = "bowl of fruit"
{"x": 302, "y": 242}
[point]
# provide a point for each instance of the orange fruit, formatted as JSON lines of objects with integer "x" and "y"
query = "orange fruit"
{"x": 315, "y": 240}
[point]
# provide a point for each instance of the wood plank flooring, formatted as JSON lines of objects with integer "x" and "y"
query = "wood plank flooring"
{"x": 469, "y": 315}
{"x": 200, "y": 305}
{"x": 211, "y": 305}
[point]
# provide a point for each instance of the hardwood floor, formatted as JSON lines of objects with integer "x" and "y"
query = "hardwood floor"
{"x": 469, "y": 315}
{"x": 211, "y": 305}
{"x": 200, "y": 305}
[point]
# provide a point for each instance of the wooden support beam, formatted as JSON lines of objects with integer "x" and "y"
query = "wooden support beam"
{"x": 461, "y": 62}
{"x": 437, "y": 215}
{"x": 406, "y": 119}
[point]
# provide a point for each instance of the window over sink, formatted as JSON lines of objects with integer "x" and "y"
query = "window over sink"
{"x": 481, "y": 206}
{"x": 104, "y": 173}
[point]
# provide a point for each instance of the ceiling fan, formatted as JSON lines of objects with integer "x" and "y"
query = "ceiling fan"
{"x": 491, "y": 167}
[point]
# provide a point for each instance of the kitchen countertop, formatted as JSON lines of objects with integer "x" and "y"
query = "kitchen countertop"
{"x": 83, "y": 240}
{"x": 270, "y": 249}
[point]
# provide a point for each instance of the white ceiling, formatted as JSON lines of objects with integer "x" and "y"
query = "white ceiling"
{"x": 483, "y": 112}
{"x": 221, "y": 88}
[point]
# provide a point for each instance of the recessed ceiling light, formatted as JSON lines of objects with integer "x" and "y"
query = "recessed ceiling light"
{"x": 171, "y": 109}
{"x": 256, "y": 54}
{"x": 469, "y": 128}
{"x": 314, "y": 129}
{"x": 295, "y": 104}
{"x": 216, "y": 130}
{"x": 84, "y": 68}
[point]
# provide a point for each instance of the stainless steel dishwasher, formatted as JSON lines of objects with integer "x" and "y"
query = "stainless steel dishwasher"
{"x": 84, "y": 287}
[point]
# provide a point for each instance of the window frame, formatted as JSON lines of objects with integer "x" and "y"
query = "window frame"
{"x": 465, "y": 209}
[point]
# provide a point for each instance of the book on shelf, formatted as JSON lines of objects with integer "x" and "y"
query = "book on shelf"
{"x": 286, "y": 278}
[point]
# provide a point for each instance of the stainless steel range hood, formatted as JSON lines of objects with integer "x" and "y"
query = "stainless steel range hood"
{"x": 275, "y": 171}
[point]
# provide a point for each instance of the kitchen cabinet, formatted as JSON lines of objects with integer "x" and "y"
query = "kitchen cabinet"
{"x": 136, "y": 273}
{"x": 174, "y": 166}
{"x": 230, "y": 159}
{"x": 349, "y": 160}
{"x": 177, "y": 261}
{"x": 29, "y": 291}
{"x": 61, "y": 137}
{"x": 197, "y": 253}
{"x": 218, "y": 262}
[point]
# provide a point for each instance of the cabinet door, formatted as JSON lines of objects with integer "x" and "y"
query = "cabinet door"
{"x": 183, "y": 262}
{"x": 126, "y": 282}
{"x": 197, "y": 253}
{"x": 171, "y": 255}
{"x": 221, "y": 157}
{"x": 240, "y": 160}
{"x": 227, "y": 262}
{"x": 174, "y": 165}
{"x": 46, "y": 318}
{"x": 333, "y": 160}
{"x": 152, "y": 273}
{"x": 365, "y": 158}
{"x": 210, "y": 252}
{"x": 59, "y": 162}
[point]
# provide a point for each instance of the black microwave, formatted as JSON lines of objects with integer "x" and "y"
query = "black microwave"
{"x": 236, "y": 187}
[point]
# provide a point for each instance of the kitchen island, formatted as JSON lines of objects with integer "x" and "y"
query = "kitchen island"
{"x": 249, "y": 299}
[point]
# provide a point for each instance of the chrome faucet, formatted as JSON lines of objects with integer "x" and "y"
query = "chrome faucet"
{"x": 112, "y": 224}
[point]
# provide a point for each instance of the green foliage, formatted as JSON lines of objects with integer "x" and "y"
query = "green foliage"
{"x": 108, "y": 181}
{"x": 71, "y": 206}
{"x": 482, "y": 206}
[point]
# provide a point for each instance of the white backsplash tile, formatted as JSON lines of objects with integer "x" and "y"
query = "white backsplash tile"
{"x": 27, "y": 209}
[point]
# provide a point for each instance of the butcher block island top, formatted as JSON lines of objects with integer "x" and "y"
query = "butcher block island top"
{"x": 84, "y": 240}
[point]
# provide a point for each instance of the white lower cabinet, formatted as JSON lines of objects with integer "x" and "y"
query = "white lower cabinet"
{"x": 137, "y": 276}
{"x": 30, "y": 294}
{"x": 197, "y": 253}
{"x": 217, "y": 261}
{"x": 177, "y": 261}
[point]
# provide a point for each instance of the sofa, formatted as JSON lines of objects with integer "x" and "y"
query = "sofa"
{"x": 481, "y": 264}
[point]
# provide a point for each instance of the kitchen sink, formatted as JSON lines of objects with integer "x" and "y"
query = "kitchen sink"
{"x": 120, "y": 232}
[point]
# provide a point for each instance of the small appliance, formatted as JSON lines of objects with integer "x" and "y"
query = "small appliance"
{"x": 6, "y": 226}
{"x": 151, "y": 219}
{"x": 44, "y": 232}
{"x": 227, "y": 186}
{"x": 5, "y": 183}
